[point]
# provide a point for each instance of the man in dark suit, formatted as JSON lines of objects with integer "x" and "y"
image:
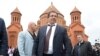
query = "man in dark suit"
{"x": 3, "y": 38}
{"x": 83, "y": 48}
{"x": 52, "y": 38}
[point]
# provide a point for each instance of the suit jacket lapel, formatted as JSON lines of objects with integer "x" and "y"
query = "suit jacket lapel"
{"x": 44, "y": 30}
{"x": 28, "y": 34}
{"x": 56, "y": 30}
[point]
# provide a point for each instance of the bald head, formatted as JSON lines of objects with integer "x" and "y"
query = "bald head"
{"x": 31, "y": 23}
{"x": 31, "y": 26}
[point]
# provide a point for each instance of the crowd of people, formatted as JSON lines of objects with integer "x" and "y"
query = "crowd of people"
{"x": 51, "y": 40}
{"x": 96, "y": 49}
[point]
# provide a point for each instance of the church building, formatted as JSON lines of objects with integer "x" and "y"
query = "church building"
{"x": 75, "y": 27}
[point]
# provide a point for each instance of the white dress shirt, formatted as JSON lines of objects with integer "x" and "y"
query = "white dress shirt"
{"x": 50, "y": 48}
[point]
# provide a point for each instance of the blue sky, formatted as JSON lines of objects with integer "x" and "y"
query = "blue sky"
{"x": 32, "y": 9}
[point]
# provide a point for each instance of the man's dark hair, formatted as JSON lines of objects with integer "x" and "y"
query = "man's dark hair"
{"x": 51, "y": 12}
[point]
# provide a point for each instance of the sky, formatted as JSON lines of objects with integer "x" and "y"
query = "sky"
{"x": 32, "y": 9}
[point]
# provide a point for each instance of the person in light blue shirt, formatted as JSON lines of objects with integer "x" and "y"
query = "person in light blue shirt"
{"x": 26, "y": 40}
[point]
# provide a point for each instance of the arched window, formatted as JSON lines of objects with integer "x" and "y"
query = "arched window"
{"x": 75, "y": 18}
{"x": 15, "y": 19}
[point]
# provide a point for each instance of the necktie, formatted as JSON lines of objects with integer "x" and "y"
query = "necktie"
{"x": 46, "y": 41}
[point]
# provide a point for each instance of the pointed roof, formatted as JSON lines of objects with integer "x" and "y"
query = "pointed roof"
{"x": 51, "y": 8}
{"x": 16, "y": 10}
{"x": 75, "y": 10}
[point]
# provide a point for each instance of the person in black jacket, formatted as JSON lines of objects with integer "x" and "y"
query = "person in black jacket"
{"x": 83, "y": 48}
{"x": 16, "y": 52}
{"x": 51, "y": 39}
{"x": 3, "y": 39}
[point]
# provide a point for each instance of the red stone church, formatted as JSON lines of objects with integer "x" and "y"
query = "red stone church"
{"x": 75, "y": 27}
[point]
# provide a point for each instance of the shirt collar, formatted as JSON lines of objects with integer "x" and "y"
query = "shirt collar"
{"x": 52, "y": 24}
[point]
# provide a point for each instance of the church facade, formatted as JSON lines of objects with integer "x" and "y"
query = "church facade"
{"x": 73, "y": 29}
{"x": 14, "y": 28}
